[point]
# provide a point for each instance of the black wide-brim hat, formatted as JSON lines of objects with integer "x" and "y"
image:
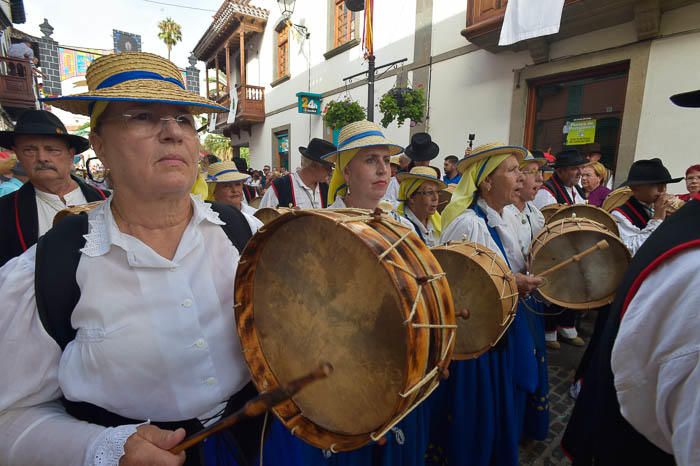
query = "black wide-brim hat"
{"x": 687, "y": 99}
{"x": 569, "y": 158}
{"x": 42, "y": 123}
{"x": 649, "y": 172}
{"x": 317, "y": 149}
{"x": 422, "y": 148}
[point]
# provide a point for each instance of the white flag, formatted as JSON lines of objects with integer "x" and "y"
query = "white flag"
{"x": 526, "y": 19}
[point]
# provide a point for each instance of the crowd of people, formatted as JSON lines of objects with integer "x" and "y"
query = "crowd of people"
{"x": 118, "y": 328}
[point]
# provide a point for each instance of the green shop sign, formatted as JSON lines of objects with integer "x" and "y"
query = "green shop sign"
{"x": 309, "y": 103}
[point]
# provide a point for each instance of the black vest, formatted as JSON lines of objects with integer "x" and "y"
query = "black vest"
{"x": 635, "y": 212}
{"x": 557, "y": 189}
{"x": 19, "y": 221}
{"x": 597, "y": 433}
{"x": 284, "y": 189}
{"x": 57, "y": 293}
{"x": 249, "y": 193}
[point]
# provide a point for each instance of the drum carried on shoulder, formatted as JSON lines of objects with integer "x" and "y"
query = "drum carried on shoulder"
{"x": 363, "y": 293}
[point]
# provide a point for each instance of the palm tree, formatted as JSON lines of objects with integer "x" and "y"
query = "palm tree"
{"x": 170, "y": 33}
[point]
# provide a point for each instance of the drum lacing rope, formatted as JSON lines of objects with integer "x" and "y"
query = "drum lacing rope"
{"x": 421, "y": 281}
{"x": 376, "y": 437}
{"x": 393, "y": 246}
{"x": 546, "y": 314}
{"x": 262, "y": 436}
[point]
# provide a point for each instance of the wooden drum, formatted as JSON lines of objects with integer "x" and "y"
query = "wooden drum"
{"x": 268, "y": 214}
{"x": 482, "y": 283}
{"x": 549, "y": 210}
{"x": 617, "y": 198}
{"x": 590, "y": 212}
{"x": 587, "y": 283}
{"x": 359, "y": 291}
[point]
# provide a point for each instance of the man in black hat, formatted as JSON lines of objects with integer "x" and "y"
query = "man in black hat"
{"x": 642, "y": 214}
{"x": 46, "y": 151}
{"x": 639, "y": 403}
{"x": 308, "y": 187}
{"x": 421, "y": 151}
{"x": 562, "y": 187}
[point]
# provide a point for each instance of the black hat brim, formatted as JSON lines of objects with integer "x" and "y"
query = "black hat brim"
{"x": 423, "y": 156}
{"x": 304, "y": 151}
{"x": 79, "y": 143}
{"x": 687, "y": 99}
{"x": 657, "y": 181}
{"x": 573, "y": 163}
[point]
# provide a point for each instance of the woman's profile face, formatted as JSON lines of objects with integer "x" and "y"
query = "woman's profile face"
{"x": 505, "y": 182}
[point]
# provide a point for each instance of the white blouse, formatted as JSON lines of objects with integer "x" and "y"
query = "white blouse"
{"x": 529, "y": 222}
{"x": 431, "y": 237}
{"x": 156, "y": 340}
{"x": 468, "y": 226}
{"x": 632, "y": 236}
{"x": 48, "y": 205}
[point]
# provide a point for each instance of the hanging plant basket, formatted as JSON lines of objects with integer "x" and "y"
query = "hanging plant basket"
{"x": 402, "y": 103}
{"x": 355, "y": 5}
{"x": 339, "y": 113}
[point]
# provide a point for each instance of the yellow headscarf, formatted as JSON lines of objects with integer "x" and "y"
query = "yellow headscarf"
{"x": 406, "y": 190}
{"x": 463, "y": 197}
{"x": 337, "y": 186}
{"x": 97, "y": 110}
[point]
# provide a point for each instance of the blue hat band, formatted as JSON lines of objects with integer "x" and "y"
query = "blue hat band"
{"x": 134, "y": 75}
{"x": 223, "y": 172}
{"x": 360, "y": 136}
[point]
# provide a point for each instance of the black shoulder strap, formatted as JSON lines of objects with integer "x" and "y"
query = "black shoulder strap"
{"x": 283, "y": 188}
{"x": 237, "y": 227}
{"x": 323, "y": 187}
{"x": 57, "y": 292}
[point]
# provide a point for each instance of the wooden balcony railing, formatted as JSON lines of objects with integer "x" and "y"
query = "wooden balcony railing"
{"x": 16, "y": 83}
{"x": 249, "y": 111}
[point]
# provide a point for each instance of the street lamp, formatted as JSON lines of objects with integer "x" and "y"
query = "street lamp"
{"x": 286, "y": 7}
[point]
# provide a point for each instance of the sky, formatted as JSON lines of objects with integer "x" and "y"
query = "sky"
{"x": 89, "y": 23}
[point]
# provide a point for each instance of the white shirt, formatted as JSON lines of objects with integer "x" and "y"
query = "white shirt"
{"x": 20, "y": 50}
{"x": 632, "y": 236}
{"x": 249, "y": 211}
{"x": 529, "y": 223}
{"x": 339, "y": 203}
{"x": 48, "y": 205}
{"x": 431, "y": 237}
{"x": 544, "y": 198}
{"x": 656, "y": 358}
{"x": 156, "y": 340}
{"x": 392, "y": 192}
{"x": 470, "y": 227}
{"x": 306, "y": 198}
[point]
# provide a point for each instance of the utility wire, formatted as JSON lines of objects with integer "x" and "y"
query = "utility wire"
{"x": 180, "y": 6}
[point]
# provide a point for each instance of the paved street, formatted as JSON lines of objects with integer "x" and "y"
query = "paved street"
{"x": 562, "y": 365}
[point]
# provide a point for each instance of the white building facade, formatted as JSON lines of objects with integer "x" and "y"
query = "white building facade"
{"x": 614, "y": 63}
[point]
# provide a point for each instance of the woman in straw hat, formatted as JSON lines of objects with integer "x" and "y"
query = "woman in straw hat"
{"x": 8, "y": 183}
{"x": 225, "y": 185}
{"x": 418, "y": 197}
{"x": 486, "y": 396}
{"x": 134, "y": 303}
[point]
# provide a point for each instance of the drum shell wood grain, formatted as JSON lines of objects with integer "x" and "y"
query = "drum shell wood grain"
{"x": 326, "y": 288}
{"x": 617, "y": 198}
{"x": 590, "y": 212}
{"x": 482, "y": 283}
{"x": 268, "y": 214}
{"x": 549, "y": 210}
{"x": 588, "y": 284}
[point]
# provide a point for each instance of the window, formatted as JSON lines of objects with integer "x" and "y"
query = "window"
{"x": 282, "y": 50}
{"x": 344, "y": 24}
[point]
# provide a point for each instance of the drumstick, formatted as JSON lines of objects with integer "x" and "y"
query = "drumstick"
{"x": 256, "y": 406}
{"x": 600, "y": 245}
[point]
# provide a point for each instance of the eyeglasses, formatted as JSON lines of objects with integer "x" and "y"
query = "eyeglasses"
{"x": 529, "y": 172}
{"x": 148, "y": 123}
{"x": 428, "y": 193}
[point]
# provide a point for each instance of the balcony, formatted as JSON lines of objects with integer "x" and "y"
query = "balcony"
{"x": 249, "y": 111}
{"x": 485, "y": 19}
{"x": 16, "y": 84}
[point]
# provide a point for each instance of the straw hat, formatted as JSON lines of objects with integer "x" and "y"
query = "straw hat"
{"x": 7, "y": 164}
{"x": 421, "y": 173}
{"x": 395, "y": 160}
{"x": 532, "y": 157}
{"x": 222, "y": 172}
{"x": 134, "y": 77}
{"x": 490, "y": 150}
{"x": 359, "y": 135}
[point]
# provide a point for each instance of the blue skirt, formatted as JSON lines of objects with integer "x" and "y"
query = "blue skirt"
{"x": 537, "y": 408}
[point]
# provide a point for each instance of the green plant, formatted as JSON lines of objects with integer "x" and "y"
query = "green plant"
{"x": 170, "y": 33}
{"x": 219, "y": 146}
{"x": 342, "y": 112}
{"x": 401, "y": 103}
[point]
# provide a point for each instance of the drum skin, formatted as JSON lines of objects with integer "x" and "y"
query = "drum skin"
{"x": 589, "y": 283}
{"x": 268, "y": 214}
{"x": 617, "y": 198}
{"x": 549, "y": 210}
{"x": 310, "y": 288}
{"x": 590, "y": 212}
{"x": 482, "y": 283}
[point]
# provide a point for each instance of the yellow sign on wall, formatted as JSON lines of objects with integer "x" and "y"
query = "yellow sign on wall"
{"x": 581, "y": 132}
